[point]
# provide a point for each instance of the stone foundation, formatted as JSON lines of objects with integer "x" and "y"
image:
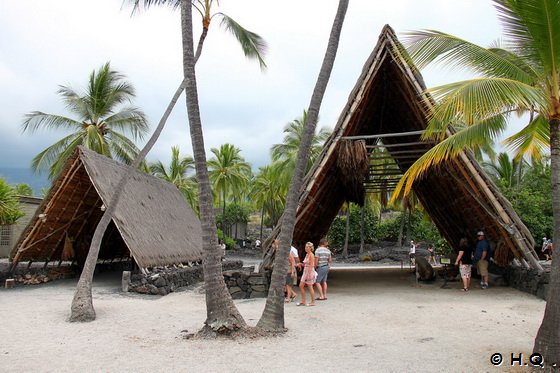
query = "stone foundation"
{"x": 245, "y": 284}
{"x": 529, "y": 281}
{"x": 164, "y": 280}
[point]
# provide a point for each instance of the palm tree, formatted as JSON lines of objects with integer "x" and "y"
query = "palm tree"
{"x": 253, "y": 45}
{"x": 178, "y": 174}
{"x": 82, "y": 304}
{"x": 10, "y": 210}
{"x": 522, "y": 77}
{"x": 287, "y": 151}
{"x": 273, "y": 314}
{"x": 101, "y": 124}
{"x": 506, "y": 172}
{"x": 268, "y": 192}
{"x": 221, "y": 314}
{"x": 228, "y": 172}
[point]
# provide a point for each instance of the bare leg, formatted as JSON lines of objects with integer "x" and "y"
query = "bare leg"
{"x": 289, "y": 293}
{"x": 321, "y": 294}
{"x": 325, "y": 287}
{"x": 302, "y": 291}
{"x": 465, "y": 282}
{"x": 312, "y": 293}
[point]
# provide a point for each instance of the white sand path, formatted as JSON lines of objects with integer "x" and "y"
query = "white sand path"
{"x": 375, "y": 320}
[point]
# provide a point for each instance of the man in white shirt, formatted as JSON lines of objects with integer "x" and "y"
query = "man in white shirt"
{"x": 412, "y": 252}
{"x": 295, "y": 254}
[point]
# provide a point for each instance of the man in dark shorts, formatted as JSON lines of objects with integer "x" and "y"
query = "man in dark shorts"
{"x": 323, "y": 259}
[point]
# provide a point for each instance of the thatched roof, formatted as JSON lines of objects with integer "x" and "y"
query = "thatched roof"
{"x": 152, "y": 223}
{"x": 388, "y": 109}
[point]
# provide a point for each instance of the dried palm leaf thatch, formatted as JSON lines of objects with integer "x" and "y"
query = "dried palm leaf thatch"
{"x": 67, "y": 250}
{"x": 503, "y": 254}
{"x": 353, "y": 166}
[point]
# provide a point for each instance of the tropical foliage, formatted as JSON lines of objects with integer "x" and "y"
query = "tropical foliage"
{"x": 233, "y": 214}
{"x": 101, "y": 122}
{"x": 10, "y": 211}
{"x": 229, "y": 174}
{"x": 23, "y": 190}
{"x": 286, "y": 152}
{"x": 505, "y": 172}
{"x": 337, "y": 231}
{"x": 531, "y": 197}
{"x": 180, "y": 173}
{"x": 268, "y": 192}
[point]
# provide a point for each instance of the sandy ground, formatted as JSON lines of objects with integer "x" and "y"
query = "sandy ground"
{"x": 375, "y": 320}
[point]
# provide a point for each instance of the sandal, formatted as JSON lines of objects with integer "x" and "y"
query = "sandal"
{"x": 310, "y": 304}
{"x": 464, "y": 289}
{"x": 300, "y": 304}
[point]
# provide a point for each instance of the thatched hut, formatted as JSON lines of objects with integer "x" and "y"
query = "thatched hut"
{"x": 152, "y": 223}
{"x": 386, "y": 114}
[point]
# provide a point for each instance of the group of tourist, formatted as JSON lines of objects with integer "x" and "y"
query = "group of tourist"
{"x": 467, "y": 258}
{"x": 314, "y": 270}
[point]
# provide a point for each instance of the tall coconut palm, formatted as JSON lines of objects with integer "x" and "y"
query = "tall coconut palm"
{"x": 221, "y": 314}
{"x": 228, "y": 172}
{"x": 177, "y": 173}
{"x": 82, "y": 303}
{"x": 523, "y": 76}
{"x": 101, "y": 121}
{"x": 287, "y": 151}
{"x": 253, "y": 45}
{"x": 273, "y": 314}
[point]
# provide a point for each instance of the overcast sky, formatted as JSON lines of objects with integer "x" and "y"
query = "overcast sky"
{"x": 45, "y": 44}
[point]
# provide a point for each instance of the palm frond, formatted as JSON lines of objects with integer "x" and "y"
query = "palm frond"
{"x": 130, "y": 120}
{"x": 452, "y": 146}
{"x": 534, "y": 27}
{"x": 253, "y": 45}
{"x": 532, "y": 141}
{"x": 429, "y": 46}
{"x": 140, "y": 5}
{"x": 470, "y": 101}
{"x": 36, "y": 119}
{"x": 122, "y": 148}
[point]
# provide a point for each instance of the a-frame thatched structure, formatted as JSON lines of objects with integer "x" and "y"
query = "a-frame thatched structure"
{"x": 152, "y": 223}
{"x": 387, "y": 110}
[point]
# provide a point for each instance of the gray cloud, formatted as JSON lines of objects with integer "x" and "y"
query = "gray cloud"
{"x": 46, "y": 44}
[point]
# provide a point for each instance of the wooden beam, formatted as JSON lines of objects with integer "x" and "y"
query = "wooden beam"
{"x": 400, "y": 144}
{"x": 382, "y": 135}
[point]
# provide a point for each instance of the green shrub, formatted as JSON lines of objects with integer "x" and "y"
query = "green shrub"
{"x": 337, "y": 231}
{"x": 230, "y": 242}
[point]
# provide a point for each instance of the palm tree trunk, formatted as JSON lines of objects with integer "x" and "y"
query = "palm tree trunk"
{"x": 401, "y": 229}
{"x": 408, "y": 217}
{"x": 262, "y": 221}
{"x": 547, "y": 341}
{"x": 221, "y": 314}
{"x": 347, "y": 235}
{"x": 82, "y": 303}
{"x": 273, "y": 314}
{"x": 362, "y": 216}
